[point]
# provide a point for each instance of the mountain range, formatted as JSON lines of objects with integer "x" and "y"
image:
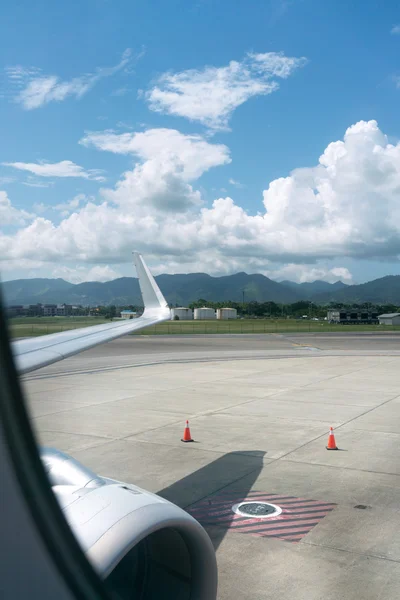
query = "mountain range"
{"x": 183, "y": 289}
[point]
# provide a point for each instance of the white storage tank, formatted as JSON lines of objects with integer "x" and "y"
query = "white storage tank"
{"x": 204, "y": 314}
{"x": 226, "y": 313}
{"x": 184, "y": 314}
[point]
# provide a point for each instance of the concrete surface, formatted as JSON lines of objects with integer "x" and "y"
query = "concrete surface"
{"x": 260, "y": 408}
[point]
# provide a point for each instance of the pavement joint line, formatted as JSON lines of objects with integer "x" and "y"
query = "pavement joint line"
{"x": 148, "y": 430}
{"x": 150, "y": 364}
{"x": 297, "y": 388}
{"x": 297, "y": 462}
{"x": 327, "y": 354}
{"x": 338, "y": 427}
{"x": 48, "y": 414}
{"x": 340, "y": 375}
{"x": 307, "y": 543}
{"x": 100, "y": 437}
{"x": 195, "y": 448}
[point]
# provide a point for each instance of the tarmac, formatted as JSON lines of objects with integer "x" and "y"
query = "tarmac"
{"x": 260, "y": 408}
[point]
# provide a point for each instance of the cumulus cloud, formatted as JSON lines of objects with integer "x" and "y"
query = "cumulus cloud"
{"x": 40, "y": 207}
{"x": 67, "y": 207}
{"x": 64, "y": 168}
{"x": 305, "y": 273}
{"x": 395, "y": 30}
{"x": 210, "y": 95}
{"x": 35, "y": 90}
{"x": 9, "y": 215}
{"x": 79, "y": 273}
{"x": 168, "y": 161}
{"x": 345, "y": 206}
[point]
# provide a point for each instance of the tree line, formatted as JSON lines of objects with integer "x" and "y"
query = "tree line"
{"x": 294, "y": 310}
{"x": 302, "y": 308}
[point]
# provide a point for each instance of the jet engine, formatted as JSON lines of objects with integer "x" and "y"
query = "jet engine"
{"x": 142, "y": 546}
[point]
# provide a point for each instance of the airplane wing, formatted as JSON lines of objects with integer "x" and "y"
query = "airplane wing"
{"x": 134, "y": 539}
{"x": 34, "y": 353}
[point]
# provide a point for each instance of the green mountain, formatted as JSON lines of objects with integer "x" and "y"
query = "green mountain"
{"x": 308, "y": 290}
{"x": 32, "y": 291}
{"x": 177, "y": 289}
{"x": 385, "y": 290}
{"x": 183, "y": 289}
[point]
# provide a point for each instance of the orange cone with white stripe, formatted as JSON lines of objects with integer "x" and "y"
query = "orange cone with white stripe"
{"x": 186, "y": 434}
{"x": 331, "y": 441}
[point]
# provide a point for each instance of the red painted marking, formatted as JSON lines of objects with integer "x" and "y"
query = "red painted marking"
{"x": 298, "y": 517}
{"x": 275, "y": 527}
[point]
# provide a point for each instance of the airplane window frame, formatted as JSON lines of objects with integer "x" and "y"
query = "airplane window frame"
{"x": 62, "y": 547}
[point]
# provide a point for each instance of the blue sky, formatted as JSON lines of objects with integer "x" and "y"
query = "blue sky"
{"x": 193, "y": 131}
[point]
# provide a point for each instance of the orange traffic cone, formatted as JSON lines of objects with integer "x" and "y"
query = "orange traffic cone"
{"x": 331, "y": 441}
{"x": 186, "y": 434}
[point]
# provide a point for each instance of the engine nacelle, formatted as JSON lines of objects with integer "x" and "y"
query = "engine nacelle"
{"x": 142, "y": 546}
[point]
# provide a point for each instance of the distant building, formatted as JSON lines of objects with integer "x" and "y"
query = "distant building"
{"x": 43, "y": 310}
{"x": 63, "y": 310}
{"x": 333, "y": 316}
{"x": 183, "y": 314}
{"x": 352, "y": 317}
{"x": 128, "y": 314}
{"x": 204, "y": 314}
{"x": 389, "y": 319}
{"x": 16, "y": 310}
{"x": 49, "y": 310}
{"x": 226, "y": 313}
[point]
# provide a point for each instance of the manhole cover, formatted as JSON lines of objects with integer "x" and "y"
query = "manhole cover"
{"x": 256, "y": 510}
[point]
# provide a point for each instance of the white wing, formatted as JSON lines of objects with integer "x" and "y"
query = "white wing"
{"x": 34, "y": 353}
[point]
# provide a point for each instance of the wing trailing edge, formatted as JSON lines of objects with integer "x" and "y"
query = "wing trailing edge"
{"x": 35, "y": 353}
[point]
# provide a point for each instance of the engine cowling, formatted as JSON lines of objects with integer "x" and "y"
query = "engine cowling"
{"x": 143, "y": 547}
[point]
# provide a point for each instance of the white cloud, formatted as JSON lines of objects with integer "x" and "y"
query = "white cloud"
{"x": 395, "y": 30}
{"x": 5, "y": 180}
{"x": 79, "y": 274}
{"x": 236, "y": 183}
{"x": 37, "y": 183}
{"x": 40, "y": 207}
{"x": 9, "y": 215}
{"x": 212, "y": 94}
{"x": 38, "y": 90}
{"x": 168, "y": 160}
{"x": 345, "y": 206}
{"x": 120, "y": 92}
{"x": 67, "y": 207}
{"x": 396, "y": 79}
{"x": 302, "y": 273}
{"x": 64, "y": 168}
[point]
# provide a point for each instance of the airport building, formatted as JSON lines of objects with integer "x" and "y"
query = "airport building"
{"x": 127, "y": 314}
{"x": 352, "y": 317}
{"x": 204, "y": 314}
{"x": 42, "y": 310}
{"x": 389, "y": 319}
{"x": 226, "y": 313}
{"x": 182, "y": 314}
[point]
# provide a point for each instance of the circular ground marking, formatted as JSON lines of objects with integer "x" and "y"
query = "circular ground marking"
{"x": 256, "y": 510}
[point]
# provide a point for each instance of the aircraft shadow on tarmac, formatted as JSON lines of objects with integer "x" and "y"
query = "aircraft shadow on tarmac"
{"x": 244, "y": 467}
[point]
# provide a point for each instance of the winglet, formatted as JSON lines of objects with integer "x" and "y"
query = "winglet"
{"x": 151, "y": 294}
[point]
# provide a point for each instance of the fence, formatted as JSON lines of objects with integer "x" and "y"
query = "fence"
{"x": 239, "y": 326}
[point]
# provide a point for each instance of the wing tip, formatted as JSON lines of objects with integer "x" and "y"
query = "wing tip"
{"x": 151, "y": 293}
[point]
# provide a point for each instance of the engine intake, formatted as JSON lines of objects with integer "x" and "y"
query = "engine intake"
{"x": 142, "y": 546}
